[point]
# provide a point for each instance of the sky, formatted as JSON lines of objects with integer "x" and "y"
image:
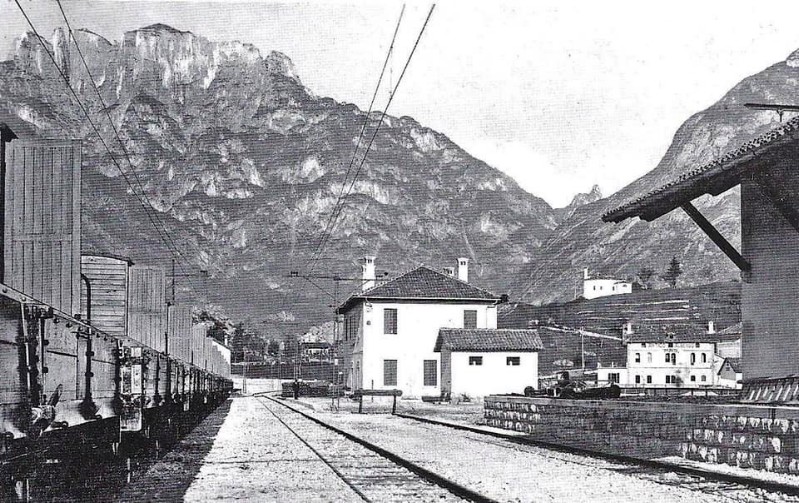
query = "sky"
{"x": 558, "y": 95}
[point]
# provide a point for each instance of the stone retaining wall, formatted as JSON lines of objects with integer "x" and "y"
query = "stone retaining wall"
{"x": 760, "y": 437}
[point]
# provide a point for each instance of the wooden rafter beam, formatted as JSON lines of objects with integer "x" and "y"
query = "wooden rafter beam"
{"x": 716, "y": 237}
{"x": 781, "y": 199}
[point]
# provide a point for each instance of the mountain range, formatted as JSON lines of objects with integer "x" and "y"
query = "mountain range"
{"x": 242, "y": 166}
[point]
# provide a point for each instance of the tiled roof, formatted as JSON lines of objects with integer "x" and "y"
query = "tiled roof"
{"x": 687, "y": 180}
{"x": 735, "y": 363}
{"x": 423, "y": 283}
{"x": 487, "y": 340}
{"x": 668, "y": 331}
{"x": 732, "y": 330}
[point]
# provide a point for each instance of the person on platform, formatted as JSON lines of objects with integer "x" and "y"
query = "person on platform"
{"x": 295, "y": 386}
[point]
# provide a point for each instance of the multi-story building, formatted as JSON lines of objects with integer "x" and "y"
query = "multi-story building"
{"x": 390, "y": 330}
{"x": 667, "y": 355}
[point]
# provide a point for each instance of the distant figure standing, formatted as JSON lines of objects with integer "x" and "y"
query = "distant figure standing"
{"x": 295, "y": 386}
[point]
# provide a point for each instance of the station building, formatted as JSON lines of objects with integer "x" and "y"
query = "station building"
{"x": 391, "y": 329}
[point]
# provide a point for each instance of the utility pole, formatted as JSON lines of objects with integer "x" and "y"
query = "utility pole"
{"x": 173, "y": 281}
{"x": 582, "y": 350}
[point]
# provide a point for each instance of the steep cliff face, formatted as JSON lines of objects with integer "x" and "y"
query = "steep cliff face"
{"x": 622, "y": 249}
{"x": 595, "y": 194}
{"x": 244, "y": 165}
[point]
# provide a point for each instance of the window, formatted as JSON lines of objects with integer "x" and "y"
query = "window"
{"x": 668, "y": 357}
{"x": 389, "y": 321}
{"x": 649, "y": 379}
{"x": 637, "y": 379}
{"x": 643, "y": 344}
{"x": 470, "y": 318}
{"x": 649, "y": 358}
{"x": 693, "y": 358}
{"x": 637, "y": 357}
{"x": 389, "y": 372}
{"x": 696, "y": 344}
{"x": 671, "y": 344}
{"x": 613, "y": 377}
{"x": 668, "y": 379}
{"x": 693, "y": 378}
{"x": 703, "y": 378}
{"x": 431, "y": 373}
{"x": 513, "y": 361}
{"x": 475, "y": 360}
{"x": 704, "y": 357}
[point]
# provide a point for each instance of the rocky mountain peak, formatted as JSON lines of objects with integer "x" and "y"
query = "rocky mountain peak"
{"x": 581, "y": 199}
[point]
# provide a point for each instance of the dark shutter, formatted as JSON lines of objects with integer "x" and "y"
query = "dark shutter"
{"x": 470, "y": 318}
{"x": 389, "y": 372}
{"x": 389, "y": 321}
{"x": 431, "y": 373}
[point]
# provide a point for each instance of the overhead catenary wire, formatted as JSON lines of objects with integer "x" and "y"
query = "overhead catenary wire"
{"x": 164, "y": 233}
{"x": 317, "y": 252}
{"x": 117, "y": 135}
{"x": 91, "y": 122}
{"x": 377, "y": 129}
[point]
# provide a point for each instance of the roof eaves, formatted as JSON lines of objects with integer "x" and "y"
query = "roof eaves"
{"x": 690, "y": 184}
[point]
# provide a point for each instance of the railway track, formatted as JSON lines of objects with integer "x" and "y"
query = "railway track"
{"x": 686, "y": 476}
{"x": 372, "y": 472}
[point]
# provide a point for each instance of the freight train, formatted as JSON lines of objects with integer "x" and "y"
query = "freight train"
{"x": 89, "y": 347}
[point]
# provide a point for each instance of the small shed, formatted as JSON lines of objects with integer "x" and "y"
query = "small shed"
{"x": 480, "y": 362}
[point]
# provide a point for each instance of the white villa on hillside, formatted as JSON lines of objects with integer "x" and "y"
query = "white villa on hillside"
{"x": 390, "y": 330}
{"x": 598, "y": 286}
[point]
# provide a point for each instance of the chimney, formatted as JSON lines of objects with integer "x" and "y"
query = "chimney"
{"x": 463, "y": 269}
{"x": 628, "y": 328}
{"x": 711, "y": 327}
{"x": 585, "y": 274}
{"x": 368, "y": 268}
{"x": 449, "y": 271}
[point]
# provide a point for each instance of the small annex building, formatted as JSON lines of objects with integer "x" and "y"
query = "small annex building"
{"x": 480, "y": 362}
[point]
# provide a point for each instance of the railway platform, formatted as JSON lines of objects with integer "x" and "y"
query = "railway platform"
{"x": 240, "y": 453}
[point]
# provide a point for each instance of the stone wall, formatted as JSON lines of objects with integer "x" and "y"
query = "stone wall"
{"x": 760, "y": 437}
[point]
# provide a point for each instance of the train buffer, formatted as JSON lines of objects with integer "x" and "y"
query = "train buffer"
{"x": 358, "y": 394}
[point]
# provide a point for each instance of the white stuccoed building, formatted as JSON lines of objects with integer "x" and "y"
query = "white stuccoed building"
{"x": 668, "y": 355}
{"x": 481, "y": 362}
{"x": 598, "y": 286}
{"x": 389, "y": 330}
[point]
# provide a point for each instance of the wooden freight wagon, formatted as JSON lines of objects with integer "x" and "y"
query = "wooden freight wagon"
{"x": 105, "y": 279}
{"x": 41, "y": 225}
{"x": 147, "y": 306}
{"x": 56, "y": 370}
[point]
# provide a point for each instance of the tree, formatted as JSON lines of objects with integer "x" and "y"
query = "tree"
{"x": 673, "y": 272}
{"x": 645, "y": 276}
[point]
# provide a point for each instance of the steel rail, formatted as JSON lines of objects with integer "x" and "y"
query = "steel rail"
{"x": 769, "y": 485}
{"x": 430, "y": 476}
{"x": 318, "y": 454}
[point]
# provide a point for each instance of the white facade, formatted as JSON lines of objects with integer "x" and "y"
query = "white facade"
{"x": 665, "y": 365}
{"x": 497, "y": 372}
{"x": 596, "y": 287}
{"x": 417, "y": 326}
